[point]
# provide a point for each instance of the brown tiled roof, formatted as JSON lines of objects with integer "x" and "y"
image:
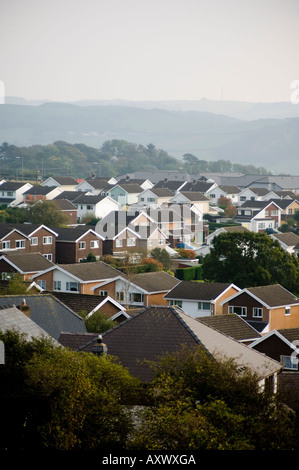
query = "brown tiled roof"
{"x": 273, "y": 295}
{"x": 232, "y": 325}
{"x": 28, "y": 262}
{"x": 76, "y": 340}
{"x": 158, "y": 281}
{"x": 91, "y": 271}
{"x": 79, "y": 302}
{"x": 193, "y": 290}
{"x": 194, "y": 196}
{"x": 289, "y": 238}
{"x": 291, "y": 334}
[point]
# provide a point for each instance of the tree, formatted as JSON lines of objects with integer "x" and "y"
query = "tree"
{"x": 46, "y": 212}
{"x": 161, "y": 255}
{"x": 250, "y": 259}
{"x": 200, "y": 403}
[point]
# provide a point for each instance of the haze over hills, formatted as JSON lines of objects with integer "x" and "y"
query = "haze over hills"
{"x": 261, "y": 134}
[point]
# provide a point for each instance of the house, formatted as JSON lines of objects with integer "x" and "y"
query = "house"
{"x": 73, "y": 245}
{"x": 11, "y": 192}
{"x": 28, "y": 238}
{"x": 288, "y": 207}
{"x": 158, "y": 330}
{"x": 144, "y": 183}
{"x": 204, "y": 187}
{"x": 95, "y": 186}
{"x": 41, "y": 193}
{"x": 200, "y": 299}
{"x": 229, "y": 229}
{"x": 47, "y": 312}
{"x": 258, "y": 216}
{"x": 81, "y": 278}
{"x": 125, "y": 194}
{"x": 95, "y": 206}
{"x": 91, "y": 304}
{"x": 129, "y": 232}
{"x": 155, "y": 197}
{"x": 231, "y": 192}
{"x": 14, "y": 319}
{"x": 25, "y": 264}
{"x": 234, "y": 326}
{"x": 144, "y": 289}
{"x": 65, "y": 183}
{"x": 266, "y": 308}
{"x": 173, "y": 185}
{"x": 195, "y": 198}
{"x": 289, "y": 241}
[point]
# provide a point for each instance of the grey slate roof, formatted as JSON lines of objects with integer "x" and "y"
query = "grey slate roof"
{"x": 155, "y": 331}
{"x": 190, "y": 290}
{"x": 158, "y": 281}
{"x": 27, "y": 262}
{"x": 232, "y": 325}
{"x": 97, "y": 270}
{"x": 48, "y": 313}
{"x": 12, "y": 319}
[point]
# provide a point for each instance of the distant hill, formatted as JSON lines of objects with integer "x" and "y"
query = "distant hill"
{"x": 269, "y": 142}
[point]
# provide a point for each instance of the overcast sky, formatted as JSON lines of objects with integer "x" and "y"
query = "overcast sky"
{"x": 66, "y": 50}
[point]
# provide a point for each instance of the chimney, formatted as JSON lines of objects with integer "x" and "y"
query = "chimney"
{"x": 100, "y": 348}
{"x": 25, "y": 308}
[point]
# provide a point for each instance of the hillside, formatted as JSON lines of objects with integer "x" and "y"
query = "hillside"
{"x": 271, "y": 143}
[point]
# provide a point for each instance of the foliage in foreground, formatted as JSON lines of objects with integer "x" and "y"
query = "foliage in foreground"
{"x": 58, "y": 399}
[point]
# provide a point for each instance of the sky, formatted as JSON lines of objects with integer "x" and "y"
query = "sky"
{"x": 69, "y": 50}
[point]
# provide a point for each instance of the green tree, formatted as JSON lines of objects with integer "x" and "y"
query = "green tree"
{"x": 161, "y": 255}
{"x": 250, "y": 259}
{"x": 199, "y": 403}
{"x": 46, "y": 212}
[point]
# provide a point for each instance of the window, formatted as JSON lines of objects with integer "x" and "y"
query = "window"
{"x": 42, "y": 283}
{"x": 120, "y": 296}
{"x": 103, "y": 293}
{"x": 242, "y": 311}
{"x": 94, "y": 244}
{"x": 243, "y": 198}
{"x": 257, "y": 312}
{"x": 289, "y": 362}
{"x": 82, "y": 245}
{"x": 34, "y": 241}
{"x": 118, "y": 243}
{"x": 204, "y": 306}
{"x": 179, "y": 303}
{"x": 57, "y": 285}
{"x": 72, "y": 286}
{"x": 20, "y": 243}
{"x": 131, "y": 242}
{"x": 89, "y": 207}
{"x": 47, "y": 240}
{"x": 287, "y": 310}
{"x": 6, "y": 245}
{"x": 48, "y": 256}
{"x": 161, "y": 241}
{"x": 135, "y": 297}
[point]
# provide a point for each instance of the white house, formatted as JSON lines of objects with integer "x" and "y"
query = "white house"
{"x": 66, "y": 183}
{"x": 94, "y": 206}
{"x": 155, "y": 197}
{"x": 11, "y": 193}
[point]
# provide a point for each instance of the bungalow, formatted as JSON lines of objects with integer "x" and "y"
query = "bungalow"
{"x": 266, "y": 308}
{"x": 26, "y": 264}
{"x": 158, "y": 330}
{"x": 289, "y": 241}
{"x": 200, "y": 299}
{"x": 144, "y": 289}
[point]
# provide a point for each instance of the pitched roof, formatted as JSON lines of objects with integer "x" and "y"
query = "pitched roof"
{"x": 192, "y": 290}
{"x": 11, "y": 318}
{"x": 40, "y": 190}
{"x": 27, "y": 262}
{"x": 288, "y": 238}
{"x": 158, "y": 281}
{"x": 91, "y": 271}
{"x": 194, "y": 196}
{"x": 161, "y": 192}
{"x": 271, "y": 296}
{"x": 79, "y": 302}
{"x": 231, "y": 325}
{"x": 73, "y": 234}
{"x": 130, "y": 188}
{"x": 48, "y": 312}
{"x": 155, "y": 331}
{"x": 88, "y": 198}
{"x": 65, "y": 205}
